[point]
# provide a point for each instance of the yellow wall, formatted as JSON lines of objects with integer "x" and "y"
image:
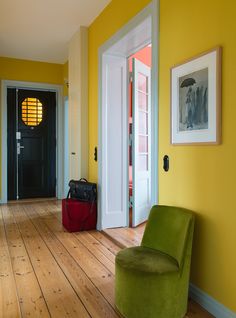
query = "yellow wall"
{"x": 30, "y": 71}
{"x": 201, "y": 178}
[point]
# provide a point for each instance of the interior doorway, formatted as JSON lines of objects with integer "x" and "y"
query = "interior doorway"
{"x": 114, "y": 139}
{"x": 31, "y": 131}
{"x": 61, "y": 150}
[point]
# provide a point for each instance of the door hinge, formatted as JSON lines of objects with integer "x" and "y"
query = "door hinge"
{"x": 130, "y": 201}
{"x": 130, "y": 77}
{"x": 18, "y": 135}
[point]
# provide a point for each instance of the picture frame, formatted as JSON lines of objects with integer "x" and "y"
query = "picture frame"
{"x": 196, "y": 100}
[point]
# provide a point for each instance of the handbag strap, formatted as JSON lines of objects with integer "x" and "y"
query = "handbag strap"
{"x": 83, "y": 179}
{"x": 68, "y": 194}
{"x": 87, "y": 217}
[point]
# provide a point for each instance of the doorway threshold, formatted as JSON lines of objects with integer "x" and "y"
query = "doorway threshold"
{"x": 32, "y": 200}
{"x": 126, "y": 236}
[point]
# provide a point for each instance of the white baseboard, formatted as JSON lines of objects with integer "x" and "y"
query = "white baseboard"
{"x": 209, "y": 303}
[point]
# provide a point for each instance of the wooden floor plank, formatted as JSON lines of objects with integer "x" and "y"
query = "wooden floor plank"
{"x": 99, "y": 236}
{"x": 121, "y": 240}
{"x": 134, "y": 237}
{"x": 126, "y": 237}
{"x": 32, "y": 302}
{"x": 196, "y": 311}
{"x": 61, "y": 298}
{"x": 54, "y": 209}
{"x": 9, "y": 303}
{"x": 102, "y": 278}
{"x": 95, "y": 303}
{"x": 98, "y": 250}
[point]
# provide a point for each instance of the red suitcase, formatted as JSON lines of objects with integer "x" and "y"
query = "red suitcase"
{"x": 79, "y": 216}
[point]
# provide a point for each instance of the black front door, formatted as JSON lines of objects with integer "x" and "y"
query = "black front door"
{"x": 31, "y": 144}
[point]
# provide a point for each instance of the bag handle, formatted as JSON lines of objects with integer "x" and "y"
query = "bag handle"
{"x": 83, "y": 179}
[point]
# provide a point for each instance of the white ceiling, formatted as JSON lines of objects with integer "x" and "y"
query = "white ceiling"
{"x": 40, "y": 30}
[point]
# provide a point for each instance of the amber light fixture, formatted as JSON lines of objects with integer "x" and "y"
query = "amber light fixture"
{"x": 31, "y": 111}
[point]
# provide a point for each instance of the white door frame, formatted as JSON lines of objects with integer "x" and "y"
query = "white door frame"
{"x": 60, "y": 167}
{"x": 151, "y": 11}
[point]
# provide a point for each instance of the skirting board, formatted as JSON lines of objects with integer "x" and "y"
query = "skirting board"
{"x": 209, "y": 303}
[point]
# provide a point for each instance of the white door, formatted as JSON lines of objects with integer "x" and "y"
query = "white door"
{"x": 114, "y": 194}
{"x": 141, "y": 200}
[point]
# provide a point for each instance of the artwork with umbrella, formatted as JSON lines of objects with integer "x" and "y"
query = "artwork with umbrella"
{"x": 193, "y": 101}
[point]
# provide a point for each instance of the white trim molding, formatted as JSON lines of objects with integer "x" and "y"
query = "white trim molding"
{"x": 155, "y": 94}
{"x": 58, "y": 89}
{"x": 209, "y": 303}
{"x": 3, "y": 142}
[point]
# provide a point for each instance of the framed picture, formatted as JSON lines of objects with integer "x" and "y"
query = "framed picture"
{"x": 196, "y": 100}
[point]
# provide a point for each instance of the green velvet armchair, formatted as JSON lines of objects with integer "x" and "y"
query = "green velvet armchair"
{"x": 151, "y": 280}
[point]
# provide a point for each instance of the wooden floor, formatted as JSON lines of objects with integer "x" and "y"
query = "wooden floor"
{"x": 47, "y": 272}
{"x": 126, "y": 237}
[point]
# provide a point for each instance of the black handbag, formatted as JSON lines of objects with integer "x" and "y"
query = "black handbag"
{"x": 82, "y": 190}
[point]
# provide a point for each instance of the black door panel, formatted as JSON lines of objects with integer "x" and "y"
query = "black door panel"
{"x": 36, "y": 157}
{"x": 36, "y": 143}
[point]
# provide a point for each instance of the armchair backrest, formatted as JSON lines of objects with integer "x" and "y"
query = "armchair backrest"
{"x": 167, "y": 230}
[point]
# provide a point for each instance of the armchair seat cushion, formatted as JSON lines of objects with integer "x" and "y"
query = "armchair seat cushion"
{"x": 146, "y": 260}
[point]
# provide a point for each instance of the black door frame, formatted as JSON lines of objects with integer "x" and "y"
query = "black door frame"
{"x": 61, "y": 164}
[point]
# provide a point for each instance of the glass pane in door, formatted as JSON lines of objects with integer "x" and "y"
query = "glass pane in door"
{"x": 143, "y": 123}
{"x": 142, "y": 101}
{"x": 142, "y": 83}
{"x": 143, "y": 144}
{"x": 143, "y": 162}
